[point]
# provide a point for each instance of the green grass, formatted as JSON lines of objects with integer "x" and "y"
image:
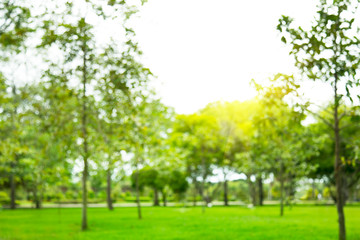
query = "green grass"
{"x": 300, "y": 222}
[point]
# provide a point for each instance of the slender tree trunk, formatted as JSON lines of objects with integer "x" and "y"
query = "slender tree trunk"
{"x": 202, "y": 192}
{"x": 41, "y": 196}
{"x": 282, "y": 190}
{"x": 195, "y": 192}
{"x": 156, "y": 197}
{"x": 163, "y": 194}
{"x": 84, "y": 224}
{"x": 313, "y": 190}
{"x": 108, "y": 189}
{"x": 269, "y": 193}
{"x": 252, "y": 191}
{"x": 138, "y": 194}
{"x": 261, "y": 190}
{"x": 203, "y": 183}
{"x": 338, "y": 170}
{"x": 288, "y": 191}
{"x": 14, "y": 162}
{"x": 36, "y": 198}
{"x": 226, "y": 202}
{"x": 12, "y": 187}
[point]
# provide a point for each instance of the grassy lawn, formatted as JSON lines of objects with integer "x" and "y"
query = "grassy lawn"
{"x": 300, "y": 222}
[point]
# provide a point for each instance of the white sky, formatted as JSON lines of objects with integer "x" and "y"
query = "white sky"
{"x": 208, "y": 50}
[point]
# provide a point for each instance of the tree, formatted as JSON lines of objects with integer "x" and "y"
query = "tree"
{"x": 150, "y": 121}
{"x": 178, "y": 183}
{"x": 329, "y": 52}
{"x": 235, "y": 129}
{"x": 120, "y": 74}
{"x": 348, "y": 143}
{"x": 70, "y": 29}
{"x": 14, "y": 29}
{"x": 48, "y": 120}
{"x": 199, "y": 139}
{"x": 280, "y": 127}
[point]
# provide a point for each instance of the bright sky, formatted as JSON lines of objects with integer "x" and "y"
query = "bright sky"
{"x": 208, "y": 50}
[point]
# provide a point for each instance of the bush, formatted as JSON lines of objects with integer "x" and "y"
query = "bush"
{"x": 133, "y": 199}
{"x": 76, "y": 201}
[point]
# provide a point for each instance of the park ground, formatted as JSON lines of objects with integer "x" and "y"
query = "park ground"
{"x": 235, "y": 222}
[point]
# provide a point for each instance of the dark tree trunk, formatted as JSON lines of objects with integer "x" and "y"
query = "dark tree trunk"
{"x": 163, "y": 194}
{"x": 12, "y": 188}
{"x": 226, "y": 202}
{"x": 269, "y": 193}
{"x": 37, "y": 198}
{"x": 252, "y": 191}
{"x": 313, "y": 190}
{"x": 203, "y": 183}
{"x": 261, "y": 190}
{"x": 14, "y": 162}
{"x": 108, "y": 189}
{"x": 84, "y": 224}
{"x": 282, "y": 190}
{"x": 337, "y": 167}
{"x": 195, "y": 191}
{"x": 156, "y": 197}
{"x": 138, "y": 194}
{"x": 202, "y": 193}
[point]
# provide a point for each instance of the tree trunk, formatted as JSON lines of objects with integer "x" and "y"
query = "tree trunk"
{"x": 226, "y": 202}
{"x": 37, "y": 200}
{"x": 163, "y": 194}
{"x": 338, "y": 171}
{"x": 313, "y": 190}
{"x": 202, "y": 193}
{"x": 261, "y": 190}
{"x": 156, "y": 197}
{"x": 281, "y": 190}
{"x": 12, "y": 188}
{"x": 269, "y": 193}
{"x": 203, "y": 182}
{"x": 252, "y": 191}
{"x": 84, "y": 224}
{"x": 108, "y": 189}
{"x": 195, "y": 192}
{"x": 138, "y": 194}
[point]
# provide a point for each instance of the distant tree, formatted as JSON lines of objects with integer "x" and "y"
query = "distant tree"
{"x": 14, "y": 29}
{"x": 280, "y": 127}
{"x": 235, "y": 130}
{"x": 120, "y": 73}
{"x": 13, "y": 148}
{"x": 148, "y": 177}
{"x": 150, "y": 121}
{"x": 199, "y": 138}
{"x": 178, "y": 183}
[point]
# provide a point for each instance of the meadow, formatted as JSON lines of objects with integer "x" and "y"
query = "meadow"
{"x": 299, "y": 222}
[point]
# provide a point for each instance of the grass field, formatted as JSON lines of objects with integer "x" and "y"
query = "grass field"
{"x": 305, "y": 222}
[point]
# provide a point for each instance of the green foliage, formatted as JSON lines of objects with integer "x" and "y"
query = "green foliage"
{"x": 14, "y": 24}
{"x": 4, "y": 198}
{"x": 177, "y": 182}
{"x": 329, "y": 50}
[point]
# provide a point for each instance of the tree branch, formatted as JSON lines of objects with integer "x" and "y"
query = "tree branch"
{"x": 323, "y": 119}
